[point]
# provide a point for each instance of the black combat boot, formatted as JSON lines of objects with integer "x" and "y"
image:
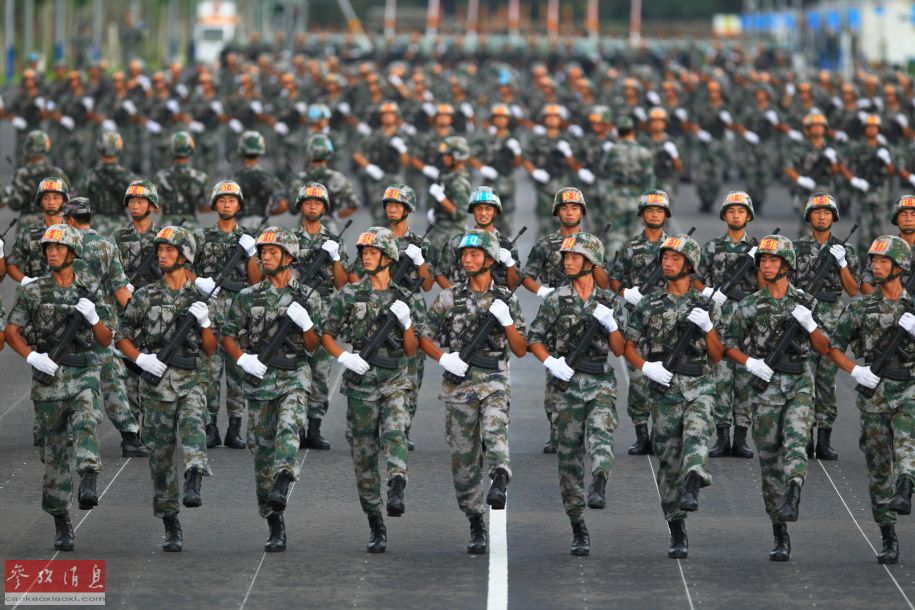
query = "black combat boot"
{"x": 689, "y": 501}
{"x": 810, "y": 451}
{"x": 277, "y": 497}
{"x": 642, "y": 444}
{"x": 824, "y": 450}
{"x": 395, "y": 496}
{"x": 496, "y": 496}
{"x": 277, "y": 540}
{"x": 132, "y": 446}
{"x": 64, "y": 539}
{"x": 173, "y": 537}
{"x": 550, "y": 446}
{"x": 87, "y": 495}
{"x": 679, "y": 543}
{"x": 581, "y": 540}
{"x": 478, "y": 542}
{"x": 722, "y": 446}
{"x": 791, "y": 505}
{"x": 890, "y": 552}
{"x": 212, "y": 434}
{"x": 596, "y": 497}
{"x": 782, "y": 549}
{"x": 740, "y": 448}
{"x": 193, "y": 479}
{"x": 378, "y": 541}
{"x": 902, "y": 501}
{"x": 313, "y": 438}
{"x": 233, "y": 438}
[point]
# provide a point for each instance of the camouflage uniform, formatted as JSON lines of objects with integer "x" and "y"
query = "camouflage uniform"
{"x": 104, "y": 185}
{"x": 490, "y": 149}
{"x": 27, "y": 253}
{"x": 542, "y": 152}
{"x": 182, "y": 189}
{"x": 262, "y": 189}
{"x": 339, "y": 188}
{"x": 20, "y": 194}
{"x": 712, "y": 155}
{"x": 813, "y": 163}
{"x": 457, "y": 189}
{"x": 449, "y": 262}
{"x": 864, "y": 162}
{"x": 629, "y": 167}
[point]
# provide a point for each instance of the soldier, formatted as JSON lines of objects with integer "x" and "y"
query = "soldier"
{"x": 68, "y": 398}
{"x": 590, "y": 149}
{"x": 904, "y": 218}
{"x": 709, "y": 122}
{"x": 810, "y": 250}
{"x": 449, "y": 194}
{"x": 667, "y": 162}
{"x": 682, "y": 397}
{"x": 264, "y": 194}
{"x": 887, "y": 425}
{"x": 182, "y": 187}
{"x": 586, "y": 411}
{"x": 629, "y": 168}
{"x": 21, "y": 195}
{"x": 382, "y": 155}
{"x": 277, "y": 401}
{"x": 496, "y": 154}
{"x": 343, "y": 201}
{"x": 549, "y": 161}
{"x": 215, "y": 245}
{"x": 26, "y": 261}
{"x": 477, "y": 405}
{"x": 102, "y": 183}
{"x": 176, "y": 407}
{"x": 376, "y": 400}
{"x": 428, "y": 158}
{"x": 812, "y": 165}
{"x": 783, "y": 411}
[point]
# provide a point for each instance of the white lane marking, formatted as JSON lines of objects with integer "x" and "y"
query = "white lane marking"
{"x": 15, "y": 404}
{"x": 857, "y": 525}
{"x": 689, "y": 598}
{"x": 497, "y": 594}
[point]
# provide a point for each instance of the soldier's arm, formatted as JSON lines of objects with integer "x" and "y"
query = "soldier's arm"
{"x": 632, "y": 355}
{"x": 16, "y": 341}
{"x": 14, "y": 272}
{"x": 340, "y": 276}
{"x": 102, "y": 333}
{"x": 601, "y": 278}
{"x": 514, "y": 332}
{"x": 230, "y": 345}
{"x": 819, "y": 342}
{"x": 128, "y": 348}
{"x": 255, "y": 275}
{"x": 849, "y": 284}
{"x": 208, "y": 340}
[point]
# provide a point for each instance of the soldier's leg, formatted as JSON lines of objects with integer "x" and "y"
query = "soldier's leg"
{"x": 570, "y": 430}
{"x": 114, "y": 393}
{"x": 214, "y": 367}
{"x": 494, "y": 418}
{"x": 84, "y": 417}
{"x": 318, "y": 399}
{"x": 667, "y": 440}
{"x": 132, "y": 386}
{"x": 392, "y": 425}
{"x": 544, "y": 210}
{"x": 797, "y": 420}
{"x": 159, "y": 431}
{"x": 192, "y": 415}
{"x": 362, "y": 434}
{"x": 697, "y": 427}
{"x": 708, "y": 181}
{"x": 462, "y": 433}
{"x": 724, "y": 405}
{"x": 57, "y": 486}
{"x": 638, "y": 404}
{"x": 767, "y": 416}
{"x": 235, "y": 395}
{"x": 601, "y": 420}
{"x": 552, "y": 400}
{"x": 260, "y": 441}
{"x": 876, "y": 442}
{"x": 290, "y": 418}
{"x": 870, "y": 224}
{"x": 825, "y": 404}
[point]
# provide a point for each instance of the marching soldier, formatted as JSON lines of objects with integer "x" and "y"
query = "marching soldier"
{"x": 549, "y": 161}
{"x": 382, "y": 155}
{"x": 26, "y": 261}
{"x": 812, "y": 165}
{"x": 449, "y": 193}
{"x": 904, "y": 218}
{"x": 343, "y": 200}
{"x": 590, "y": 150}
{"x": 629, "y": 167}
{"x": 667, "y": 162}
{"x": 181, "y": 187}
{"x": 264, "y": 194}
{"x": 496, "y": 154}
{"x": 103, "y": 183}
{"x": 21, "y": 193}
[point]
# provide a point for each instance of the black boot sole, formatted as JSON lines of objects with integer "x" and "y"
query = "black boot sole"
{"x": 64, "y": 546}
{"x": 274, "y": 548}
{"x": 580, "y": 552}
{"x": 678, "y": 554}
{"x": 779, "y": 556}
{"x": 745, "y": 455}
{"x": 375, "y": 549}
{"x": 596, "y": 504}
{"x": 477, "y": 549}
{"x": 496, "y": 501}
{"x": 131, "y": 453}
{"x": 395, "y": 510}
{"x": 901, "y": 508}
{"x": 689, "y": 505}
{"x": 171, "y": 548}
{"x": 549, "y": 449}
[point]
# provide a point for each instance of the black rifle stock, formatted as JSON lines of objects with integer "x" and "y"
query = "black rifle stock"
{"x": 888, "y": 350}
{"x": 279, "y": 339}
{"x": 316, "y": 266}
{"x": 151, "y": 259}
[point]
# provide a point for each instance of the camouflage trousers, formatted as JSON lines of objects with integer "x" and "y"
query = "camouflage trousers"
{"x": 81, "y": 414}
{"x": 105, "y": 224}
{"x": 782, "y": 419}
{"x": 637, "y": 405}
{"x": 318, "y": 397}
{"x": 709, "y": 174}
{"x": 132, "y": 387}
{"x": 235, "y": 399}
{"x": 680, "y": 433}
{"x": 166, "y": 423}
{"x": 273, "y": 438}
{"x": 729, "y": 409}
{"x": 441, "y": 232}
{"x": 416, "y": 366}
{"x": 824, "y": 369}
{"x": 873, "y": 210}
{"x": 585, "y": 421}
{"x": 113, "y": 385}
{"x": 622, "y": 205}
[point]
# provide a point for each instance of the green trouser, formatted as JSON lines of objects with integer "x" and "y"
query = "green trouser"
{"x": 273, "y": 438}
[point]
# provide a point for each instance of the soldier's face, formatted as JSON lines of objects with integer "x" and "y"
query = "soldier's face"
{"x": 552, "y": 121}
{"x": 394, "y": 211}
{"x": 821, "y": 220}
{"x": 736, "y": 217}
{"x": 483, "y": 214}
{"x": 500, "y": 121}
{"x": 570, "y": 214}
{"x": 816, "y": 131}
{"x": 654, "y": 217}
{"x": 52, "y": 203}
{"x": 138, "y": 207}
{"x": 272, "y": 258}
{"x": 472, "y": 259}
{"x": 881, "y": 266}
{"x": 656, "y": 125}
{"x": 312, "y": 209}
{"x": 443, "y": 120}
{"x": 672, "y": 263}
{"x": 906, "y": 221}
{"x": 769, "y": 266}
{"x": 371, "y": 258}
{"x": 168, "y": 255}
{"x": 227, "y": 206}
{"x": 57, "y": 255}
{"x": 572, "y": 262}
{"x": 871, "y": 131}
{"x": 388, "y": 119}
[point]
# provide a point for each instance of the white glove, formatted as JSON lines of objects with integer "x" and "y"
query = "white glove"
{"x": 251, "y": 365}
{"x": 725, "y": 117}
{"x": 912, "y": 179}
{"x": 576, "y": 131}
{"x": 256, "y": 107}
{"x": 680, "y": 113}
{"x": 353, "y": 362}
{"x": 429, "y": 108}
{"x": 639, "y": 113}
{"x": 517, "y": 111}
{"x": 50, "y": 105}
{"x": 205, "y": 286}
{"x": 344, "y": 108}
{"x": 796, "y": 136}
{"x": 830, "y": 153}
{"x": 86, "y": 308}
{"x": 196, "y": 127}
{"x": 500, "y": 310}
{"x": 402, "y": 312}
{"x": 558, "y": 368}
{"x": 129, "y": 106}
{"x": 216, "y": 106}
{"x": 861, "y": 184}
{"x": 604, "y": 315}
{"x": 415, "y": 253}
{"x": 752, "y": 252}
{"x": 153, "y": 126}
{"x": 719, "y": 298}
{"x": 42, "y": 362}
{"x": 704, "y": 136}
{"x": 607, "y": 146}
{"x": 902, "y": 120}
{"x": 865, "y": 376}
{"x": 236, "y": 126}
{"x": 544, "y": 291}
{"x": 563, "y": 147}
{"x": 506, "y": 258}
{"x": 838, "y": 251}
{"x": 489, "y": 172}
{"x": 374, "y": 172}
{"x": 806, "y": 182}
{"x": 700, "y": 318}
{"x": 173, "y": 106}
{"x": 19, "y": 123}
{"x": 586, "y": 175}
{"x": 632, "y": 295}
{"x": 88, "y": 103}
{"x": 671, "y": 149}
{"x": 332, "y": 248}
{"x": 398, "y": 144}
{"x": 281, "y": 128}
{"x": 657, "y": 373}
{"x": 841, "y": 136}
{"x": 790, "y": 89}
{"x": 438, "y": 192}
{"x": 805, "y": 317}
{"x": 884, "y": 155}
{"x": 431, "y": 172}
{"x": 540, "y": 175}
{"x": 654, "y": 98}
{"x": 759, "y": 368}
{"x": 514, "y": 146}
{"x": 1, "y": 248}
{"x": 466, "y": 109}
{"x": 907, "y": 322}
{"x": 430, "y": 216}
{"x": 408, "y": 129}
{"x": 248, "y": 243}
{"x": 751, "y": 137}
{"x": 130, "y": 288}
{"x": 67, "y": 122}
{"x": 199, "y": 310}
{"x": 151, "y": 364}
{"x": 538, "y": 130}
{"x": 772, "y": 117}
{"x": 453, "y": 364}
{"x": 299, "y": 315}
{"x": 26, "y": 280}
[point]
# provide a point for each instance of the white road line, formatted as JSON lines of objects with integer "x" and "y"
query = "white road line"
{"x": 850, "y": 514}
{"x": 15, "y": 404}
{"x": 689, "y": 598}
{"x": 497, "y": 592}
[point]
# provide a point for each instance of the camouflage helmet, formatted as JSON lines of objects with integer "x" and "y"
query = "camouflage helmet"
{"x": 178, "y": 237}
{"x": 906, "y": 202}
{"x": 569, "y": 194}
{"x": 444, "y": 109}
{"x": 779, "y": 246}
{"x": 872, "y": 119}
{"x": 400, "y": 193}
{"x": 319, "y": 148}
{"x": 226, "y": 187}
{"x": 318, "y": 112}
{"x": 484, "y": 240}
{"x": 65, "y": 235}
{"x": 78, "y": 206}
{"x": 36, "y": 142}
{"x": 657, "y": 112}
{"x": 685, "y": 245}
{"x": 484, "y": 195}
{"x": 313, "y": 190}
{"x": 821, "y": 200}
{"x": 894, "y": 248}
{"x": 500, "y": 109}
{"x": 550, "y": 109}
{"x": 456, "y": 146}
{"x": 280, "y": 237}
{"x": 600, "y": 114}
{"x": 736, "y": 198}
{"x": 145, "y": 189}
{"x": 251, "y": 144}
{"x": 654, "y": 198}
{"x": 585, "y": 244}
{"x": 815, "y": 117}
{"x": 183, "y": 144}
{"x": 625, "y": 123}
{"x": 52, "y": 185}
{"x": 381, "y": 238}
{"x": 389, "y": 106}
{"x": 110, "y": 144}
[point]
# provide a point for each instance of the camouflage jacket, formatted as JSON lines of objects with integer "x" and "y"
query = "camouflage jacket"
{"x": 26, "y": 253}
{"x": 544, "y": 263}
{"x": 813, "y": 163}
{"x": 720, "y": 257}
{"x": 214, "y": 247}
{"x": 489, "y": 149}
{"x": 629, "y": 166}
{"x": 261, "y": 189}
{"x": 412, "y": 277}
{"x": 864, "y": 162}
{"x": 133, "y": 248}
{"x": 99, "y": 257}
{"x": 105, "y": 185}
{"x": 181, "y": 189}
{"x": 542, "y": 152}
{"x": 457, "y": 190}
{"x": 339, "y": 187}
{"x": 663, "y": 163}
{"x": 449, "y": 263}
{"x": 807, "y": 250}
{"x": 636, "y": 260}
{"x": 309, "y": 248}
{"x": 378, "y": 150}
{"x": 20, "y": 194}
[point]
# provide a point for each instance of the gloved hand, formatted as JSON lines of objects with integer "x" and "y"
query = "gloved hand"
{"x": 907, "y": 322}
{"x": 772, "y": 117}
{"x": 540, "y": 175}
{"x": 430, "y": 216}
{"x": 130, "y": 288}
{"x": 466, "y": 109}
{"x": 67, "y": 122}
{"x": 700, "y": 318}
{"x": 751, "y": 137}
{"x": 604, "y": 315}
{"x": 332, "y": 248}
{"x": 205, "y": 286}
{"x": 374, "y": 172}
{"x": 199, "y": 310}
{"x": 86, "y": 308}
{"x": 725, "y": 117}
{"x": 42, "y": 362}
{"x": 514, "y": 146}
{"x": 640, "y": 114}
{"x": 884, "y": 155}
{"x": 26, "y": 280}
{"x": 912, "y": 179}
{"x": 861, "y": 184}
{"x": 563, "y": 147}
{"x": 841, "y": 136}
{"x": 453, "y": 364}
{"x": 544, "y": 291}
{"x": 299, "y": 315}
{"x": 196, "y": 127}
{"x": 902, "y": 120}
{"x": 586, "y": 175}
{"x": 364, "y": 129}
{"x": 805, "y": 317}
{"x": 344, "y": 108}
{"x": 838, "y": 251}
{"x": 704, "y": 136}
{"x": 353, "y": 362}
{"x": 865, "y": 376}
{"x": 806, "y": 182}
{"x": 248, "y": 244}
{"x": 657, "y": 373}
{"x": 830, "y": 153}
{"x": 633, "y": 295}
{"x": 20, "y": 123}
{"x": 500, "y": 310}
{"x": 489, "y": 172}
{"x": 281, "y": 128}
{"x": 671, "y": 149}
{"x": 796, "y": 136}
{"x": 431, "y": 172}
{"x": 759, "y": 368}
{"x": 558, "y": 368}
{"x": 415, "y": 254}
{"x": 680, "y": 113}
{"x": 437, "y": 191}
{"x": 153, "y": 126}
{"x": 752, "y": 252}
{"x": 216, "y": 107}
{"x": 506, "y": 258}
{"x": 576, "y": 130}
{"x": 538, "y": 130}
{"x": 708, "y": 291}
{"x": 402, "y": 311}
{"x": 719, "y": 298}
{"x": 151, "y": 364}
{"x": 256, "y": 107}
{"x": 398, "y": 144}
{"x": 250, "y": 364}
{"x": 1, "y": 248}
{"x": 236, "y": 126}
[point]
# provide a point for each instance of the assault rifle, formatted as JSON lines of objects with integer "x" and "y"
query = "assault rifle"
{"x": 268, "y": 353}
{"x": 731, "y": 286}
{"x": 313, "y": 273}
{"x": 657, "y": 272}
{"x": 404, "y": 266}
{"x": 151, "y": 258}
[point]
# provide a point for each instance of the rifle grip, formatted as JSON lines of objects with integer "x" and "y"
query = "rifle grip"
{"x": 453, "y": 378}
{"x": 42, "y": 378}
{"x": 865, "y": 391}
{"x": 559, "y": 384}
{"x": 759, "y": 384}
{"x": 151, "y": 379}
{"x": 252, "y": 380}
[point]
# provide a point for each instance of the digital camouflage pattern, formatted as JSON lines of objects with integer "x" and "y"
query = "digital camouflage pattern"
{"x": 20, "y": 194}
{"x": 457, "y": 189}
{"x": 273, "y": 438}
{"x": 629, "y": 168}
{"x": 133, "y": 248}
{"x": 542, "y": 152}
{"x": 544, "y": 263}
{"x": 182, "y": 189}
{"x": 339, "y": 188}
{"x": 104, "y": 185}
{"x": 492, "y": 150}
{"x": 262, "y": 190}
{"x": 863, "y": 161}
{"x": 26, "y": 253}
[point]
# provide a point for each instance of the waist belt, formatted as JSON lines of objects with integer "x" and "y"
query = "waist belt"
{"x": 828, "y": 296}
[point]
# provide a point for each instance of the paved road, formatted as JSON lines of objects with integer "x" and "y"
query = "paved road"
{"x": 223, "y": 564}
